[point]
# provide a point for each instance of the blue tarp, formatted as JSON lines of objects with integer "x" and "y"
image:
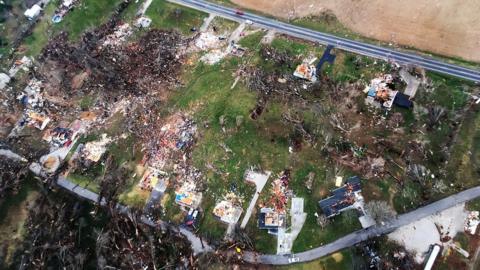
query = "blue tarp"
{"x": 402, "y": 100}
{"x": 326, "y": 57}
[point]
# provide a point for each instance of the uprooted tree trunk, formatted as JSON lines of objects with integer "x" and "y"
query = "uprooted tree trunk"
{"x": 434, "y": 115}
{"x": 380, "y": 211}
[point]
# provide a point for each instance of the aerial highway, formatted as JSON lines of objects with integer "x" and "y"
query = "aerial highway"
{"x": 387, "y": 54}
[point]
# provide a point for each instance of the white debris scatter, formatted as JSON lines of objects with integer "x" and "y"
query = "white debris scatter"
{"x": 94, "y": 150}
{"x": 33, "y": 12}
{"x": 213, "y": 56}
{"x": 229, "y": 210}
{"x": 22, "y": 64}
{"x": 143, "y": 22}
{"x": 419, "y": 235}
{"x": 4, "y": 80}
{"x": 306, "y": 71}
{"x": 121, "y": 33}
{"x": 208, "y": 40}
{"x": 11, "y": 155}
{"x": 472, "y": 221}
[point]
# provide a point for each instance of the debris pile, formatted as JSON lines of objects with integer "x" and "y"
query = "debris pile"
{"x": 152, "y": 177}
{"x": 280, "y": 193}
{"x": 64, "y": 8}
{"x": 93, "y": 151}
{"x": 208, "y": 40}
{"x": 187, "y": 196}
{"x": 277, "y": 56}
{"x": 229, "y": 209}
{"x": 34, "y": 112}
{"x": 271, "y": 220}
{"x": 215, "y": 45}
{"x": 59, "y": 137}
{"x": 236, "y": 50}
{"x": 307, "y": 71}
{"x": 381, "y": 93}
{"x": 143, "y": 22}
{"x": 472, "y": 221}
{"x": 22, "y": 64}
{"x": 116, "y": 68}
{"x": 118, "y": 37}
{"x": 61, "y": 140}
{"x": 267, "y": 84}
{"x": 174, "y": 137}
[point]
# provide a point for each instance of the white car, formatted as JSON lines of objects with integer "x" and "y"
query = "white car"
{"x": 293, "y": 259}
{"x": 248, "y": 22}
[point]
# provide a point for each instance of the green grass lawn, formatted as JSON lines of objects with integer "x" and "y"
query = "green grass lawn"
{"x": 207, "y": 95}
{"x": 13, "y": 215}
{"x": 166, "y": 15}
{"x": 261, "y": 142}
{"x": 328, "y": 23}
{"x": 338, "y": 261}
{"x": 41, "y": 32}
{"x": 84, "y": 181}
{"x": 85, "y": 16}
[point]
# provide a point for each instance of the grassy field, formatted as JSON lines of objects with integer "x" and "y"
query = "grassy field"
{"x": 171, "y": 16}
{"x": 328, "y": 23}
{"x": 86, "y": 16}
{"x": 337, "y": 261}
{"x": 224, "y": 152}
{"x": 13, "y": 214}
{"x": 42, "y": 31}
{"x": 268, "y": 133}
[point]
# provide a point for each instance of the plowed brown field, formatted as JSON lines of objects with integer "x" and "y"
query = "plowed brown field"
{"x": 447, "y": 27}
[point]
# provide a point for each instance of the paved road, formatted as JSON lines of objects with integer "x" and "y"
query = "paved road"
{"x": 342, "y": 43}
{"x": 196, "y": 243}
{"x": 312, "y": 254}
{"x": 362, "y": 235}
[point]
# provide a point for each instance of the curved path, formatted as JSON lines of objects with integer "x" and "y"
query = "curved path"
{"x": 347, "y": 241}
{"x": 362, "y": 235}
{"x": 342, "y": 43}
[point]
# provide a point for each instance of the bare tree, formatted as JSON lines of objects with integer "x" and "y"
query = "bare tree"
{"x": 380, "y": 211}
{"x": 419, "y": 173}
{"x": 435, "y": 113}
{"x": 323, "y": 221}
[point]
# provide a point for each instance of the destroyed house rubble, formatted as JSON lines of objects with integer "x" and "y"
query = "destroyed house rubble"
{"x": 93, "y": 151}
{"x": 306, "y": 71}
{"x": 187, "y": 196}
{"x": 117, "y": 67}
{"x": 34, "y": 113}
{"x": 380, "y": 91}
{"x": 227, "y": 212}
{"x": 175, "y": 136}
{"x": 270, "y": 220}
{"x": 151, "y": 178}
{"x": 341, "y": 198}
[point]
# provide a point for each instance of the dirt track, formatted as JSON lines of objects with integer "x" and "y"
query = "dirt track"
{"x": 448, "y": 27}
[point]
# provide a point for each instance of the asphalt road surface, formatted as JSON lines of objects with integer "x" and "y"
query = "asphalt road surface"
{"x": 362, "y": 48}
{"x": 198, "y": 246}
{"x": 309, "y": 255}
{"x": 362, "y": 235}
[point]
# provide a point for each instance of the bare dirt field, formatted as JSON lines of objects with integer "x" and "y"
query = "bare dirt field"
{"x": 447, "y": 27}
